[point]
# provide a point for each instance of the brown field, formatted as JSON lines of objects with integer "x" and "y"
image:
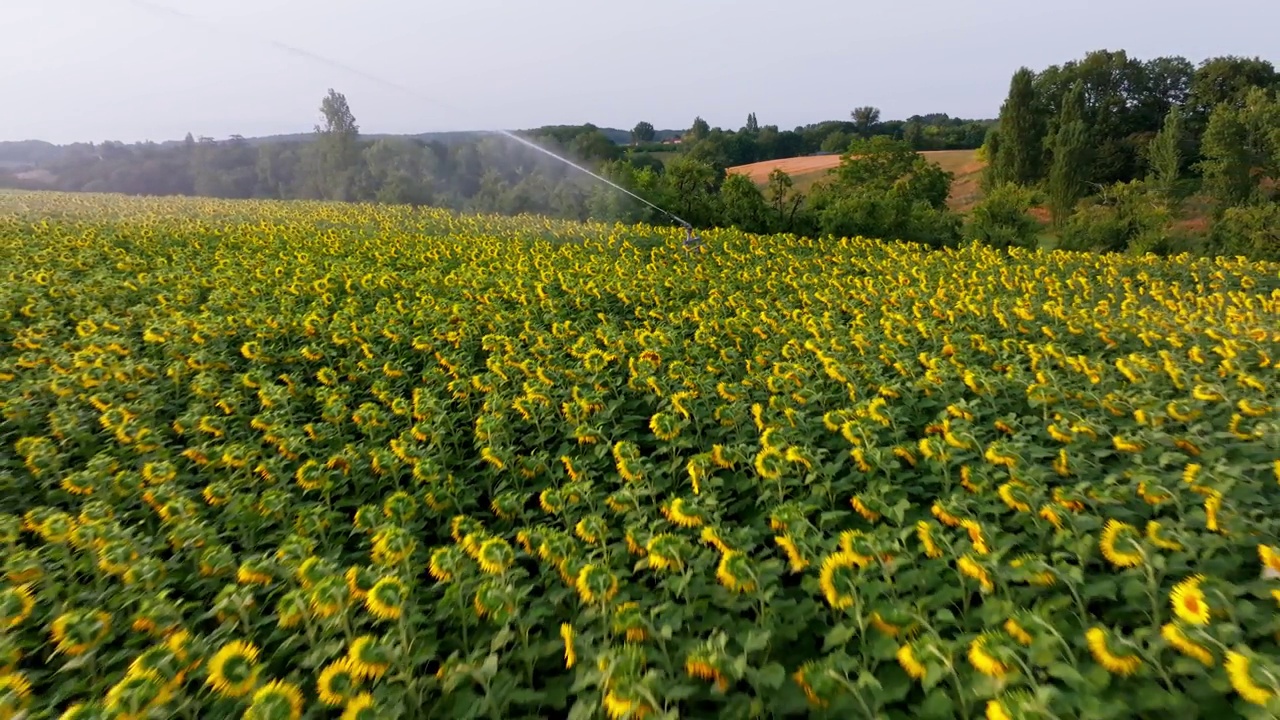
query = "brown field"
{"x": 807, "y": 170}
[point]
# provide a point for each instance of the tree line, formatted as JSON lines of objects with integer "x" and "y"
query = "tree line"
{"x": 1144, "y": 156}
{"x": 485, "y": 172}
{"x": 1105, "y": 153}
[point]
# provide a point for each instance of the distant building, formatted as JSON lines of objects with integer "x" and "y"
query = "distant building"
{"x": 676, "y": 140}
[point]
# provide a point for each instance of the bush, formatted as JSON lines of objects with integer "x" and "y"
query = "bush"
{"x": 1002, "y": 219}
{"x": 1253, "y": 232}
{"x": 1127, "y": 214}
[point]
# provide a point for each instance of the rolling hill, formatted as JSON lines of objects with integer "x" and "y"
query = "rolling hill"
{"x": 809, "y": 169}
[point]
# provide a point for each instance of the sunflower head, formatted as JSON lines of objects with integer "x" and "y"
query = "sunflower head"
{"x": 277, "y": 700}
{"x": 361, "y": 707}
{"x": 596, "y": 584}
{"x": 233, "y": 669}
{"x": 16, "y": 605}
{"x": 370, "y": 657}
{"x": 387, "y": 597}
{"x": 495, "y": 556}
{"x": 15, "y": 693}
{"x": 137, "y": 694}
{"x": 494, "y": 601}
{"x": 446, "y": 562}
{"x": 338, "y": 682}
{"x": 328, "y": 597}
{"x": 79, "y": 631}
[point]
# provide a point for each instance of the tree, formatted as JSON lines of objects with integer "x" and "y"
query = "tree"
{"x": 1016, "y": 156}
{"x": 337, "y": 147}
{"x": 643, "y": 132}
{"x": 1241, "y": 149}
{"x": 783, "y": 198}
{"x": 753, "y": 125}
{"x": 743, "y": 204}
{"x": 1069, "y": 173}
{"x": 865, "y": 119}
{"x": 1003, "y": 219}
{"x": 698, "y": 130}
{"x": 886, "y": 166}
{"x": 1164, "y": 156}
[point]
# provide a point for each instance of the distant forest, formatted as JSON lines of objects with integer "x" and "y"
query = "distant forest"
{"x": 1104, "y": 153}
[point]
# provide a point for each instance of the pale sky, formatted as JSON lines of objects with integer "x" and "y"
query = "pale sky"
{"x": 78, "y": 70}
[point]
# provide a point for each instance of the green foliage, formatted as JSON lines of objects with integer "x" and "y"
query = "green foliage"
{"x": 1002, "y": 219}
{"x": 742, "y": 205}
{"x": 643, "y": 132}
{"x": 1126, "y": 216}
{"x": 1164, "y": 157}
{"x": 1251, "y": 231}
{"x": 1070, "y": 170}
{"x": 1017, "y": 156}
{"x": 865, "y": 119}
{"x": 1241, "y": 149}
{"x": 882, "y": 165}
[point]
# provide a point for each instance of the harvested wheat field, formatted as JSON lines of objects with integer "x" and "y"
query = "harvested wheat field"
{"x": 808, "y": 169}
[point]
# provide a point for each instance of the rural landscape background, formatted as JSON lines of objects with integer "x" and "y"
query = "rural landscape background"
{"x": 937, "y": 418}
{"x": 1105, "y": 152}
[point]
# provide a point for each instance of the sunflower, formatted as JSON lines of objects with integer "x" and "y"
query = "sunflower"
{"x": 618, "y": 705}
{"x": 997, "y": 711}
{"x": 910, "y": 663}
{"x": 838, "y": 579}
{"x": 495, "y": 556}
{"x": 1269, "y": 557}
{"x": 1239, "y": 673}
{"x": 233, "y": 669}
{"x": 596, "y": 584}
{"x": 924, "y": 533}
{"x": 664, "y": 552}
{"x": 861, "y": 508}
{"x": 970, "y": 568}
{"x": 1177, "y": 639}
{"x": 734, "y": 572}
{"x": 386, "y": 598}
{"x": 796, "y": 561}
{"x": 16, "y": 605}
{"x": 337, "y": 682}
{"x": 1017, "y": 632}
{"x": 79, "y": 631}
{"x": 1112, "y": 532}
{"x": 445, "y": 563}
{"x": 976, "y": 537}
{"x": 566, "y": 634}
{"x": 360, "y": 707}
{"x": 675, "y": 513}
{"x": 628, "y": 621}
{"x": 277, "y": 700}
{"x": 15, "y": 694}
{"x": 369, "y": 658}
{"x": 983, "y": 661}
{"x": 703, "y": 665}
{"x": 1188, "y": 601}
{"x": 1124, "y": 665}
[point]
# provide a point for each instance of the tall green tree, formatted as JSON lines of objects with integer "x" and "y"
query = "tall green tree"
{"x": 865, "y": 119}
{"x": 1017, "y": 156}
{"x": 643, "y": 132}
{"x": 1164, "y": 156}
{"x": 337, "y": 148}
{"x": 1069, "y": 173}
{"x": 1241, "y": 149}
{"x": 753, "y": 125}
{"x": 699, "y": 130}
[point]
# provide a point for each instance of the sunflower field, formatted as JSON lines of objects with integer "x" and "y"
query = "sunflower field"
{"x": 286, "y": 460}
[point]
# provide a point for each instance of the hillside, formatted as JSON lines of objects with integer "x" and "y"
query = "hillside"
{"x": 807, "y": 170}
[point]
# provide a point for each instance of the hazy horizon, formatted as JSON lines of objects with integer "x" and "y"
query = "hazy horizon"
{"x": 89, "y": 70}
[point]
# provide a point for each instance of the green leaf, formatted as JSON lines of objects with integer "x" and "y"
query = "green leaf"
{"x": 756, "y": 640}
{"x": 937, "y": 704}
{"x": 769, "y": 677}
{"x": 838, "y": 636}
